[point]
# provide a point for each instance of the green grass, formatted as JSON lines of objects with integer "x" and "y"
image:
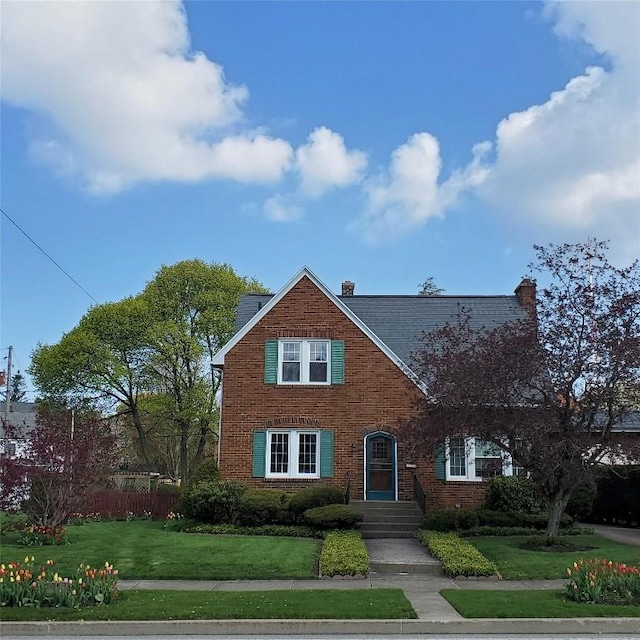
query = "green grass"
{"x": 143, "y": 549}
{"x": 519, "y": 564}
{"x": 214, "y": 605}
{"x": 530, "y": 604}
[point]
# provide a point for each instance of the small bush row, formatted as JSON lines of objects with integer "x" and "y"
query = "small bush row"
{"x": 278, "y": 530}
{"x": 25, "y": 584}
{"x": 229, "y": 502}
{"x": 486, "y": 531}
{"x": 458, "y": 557}
{"x": 602, "y": 581}
{"x": 344, "y": 554}
{"x": 465, "y": 519}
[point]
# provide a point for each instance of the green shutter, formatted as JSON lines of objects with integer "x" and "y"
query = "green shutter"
{"x": 326, "y": 454}
{"x": 337, "y": 362}
{"x": 440, "y": 462}
{"x": 259, "y": 453}
{"x": 271, "y": 362}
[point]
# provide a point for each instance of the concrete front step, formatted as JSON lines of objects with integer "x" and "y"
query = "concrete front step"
{"x": 425, "y": 569}
{"x": 388, "y": 533}
{"x": 383, "y": 519}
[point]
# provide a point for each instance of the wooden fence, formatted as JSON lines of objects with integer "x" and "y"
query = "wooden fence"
{"x": 115, "y": 503}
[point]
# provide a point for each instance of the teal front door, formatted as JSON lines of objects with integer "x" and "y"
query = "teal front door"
{"x": 381, "y": 467}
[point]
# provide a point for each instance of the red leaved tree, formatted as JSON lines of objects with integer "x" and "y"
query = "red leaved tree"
{"x": 56, "y": 465}
{"x": 559, "y": 392}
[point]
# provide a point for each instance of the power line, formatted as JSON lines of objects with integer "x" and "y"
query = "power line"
{"x": 26, "y": 235}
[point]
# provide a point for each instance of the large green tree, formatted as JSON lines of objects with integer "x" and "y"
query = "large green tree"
{"x": 148, "y": 357}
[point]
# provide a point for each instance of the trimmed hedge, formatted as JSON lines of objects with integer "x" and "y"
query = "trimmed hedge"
{"x": 458, "y": 557}
{"x": 513, "y": 493}
{"x": 344, "y": 554}
{"x": 333, "y": 516}
{"x": 263, "y": 506}
{"x": 461, "y": 520}
{"x": 313, "y": 497}
{"x": 276, "y": 530}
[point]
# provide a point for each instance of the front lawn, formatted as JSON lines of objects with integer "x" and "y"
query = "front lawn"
{"x": 143, "y": 549}
{"x": 214, "y": 605}
{"x": 515, "y": 563}
{"x": 530, "y": 604}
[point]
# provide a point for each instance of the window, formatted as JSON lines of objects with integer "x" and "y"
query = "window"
{"x": 472, "y": 459}
{"x": 293, "y": 361}
{"x": 303, "y": 362}
{"x": 292, "y": 454}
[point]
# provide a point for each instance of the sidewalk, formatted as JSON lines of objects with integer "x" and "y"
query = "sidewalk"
{"x": 435, "y": 614}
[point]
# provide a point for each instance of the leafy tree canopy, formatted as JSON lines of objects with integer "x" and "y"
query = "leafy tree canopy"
{"x": 557, "y": 390}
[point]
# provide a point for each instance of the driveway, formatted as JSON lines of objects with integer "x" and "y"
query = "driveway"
{"x": 619, "y": 534}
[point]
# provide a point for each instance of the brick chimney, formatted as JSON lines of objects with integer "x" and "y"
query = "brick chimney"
{"x": 526, "y": 293}
{"x": 348, "y": 288}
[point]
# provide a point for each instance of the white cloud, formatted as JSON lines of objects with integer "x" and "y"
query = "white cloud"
{"x": 571, "y": 165}
{"x": 281, "y": 208}
{"x": 125, "y": 99}
{"x": 410, "y": 191}
{"x": 324, "y": 162}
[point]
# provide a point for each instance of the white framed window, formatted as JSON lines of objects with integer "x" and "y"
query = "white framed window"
{"x": 473, "y": 459}
{"x": 293, "y": 454}
{"x": 304, "y": 361}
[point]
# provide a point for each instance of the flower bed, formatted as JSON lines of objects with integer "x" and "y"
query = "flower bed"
{"x": 39, "y": 535}
{"x": 26, "y": 584}
{"x": 602, "y": 581}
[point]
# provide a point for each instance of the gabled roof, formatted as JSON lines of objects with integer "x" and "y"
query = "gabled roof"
{"x": 265, "y": 303}
{"x": 399, "y": 321}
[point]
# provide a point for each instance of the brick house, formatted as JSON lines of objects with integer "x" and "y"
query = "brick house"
{"x": 315, "y": 384}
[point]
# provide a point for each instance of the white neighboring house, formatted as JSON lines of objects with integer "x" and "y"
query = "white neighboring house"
{"x": 22, "y": 418}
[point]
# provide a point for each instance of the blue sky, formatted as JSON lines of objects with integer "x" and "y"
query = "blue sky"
{"x": 381, "y": 142}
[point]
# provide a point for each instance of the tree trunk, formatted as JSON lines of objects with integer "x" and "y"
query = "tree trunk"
{"x": 145, "y": 449}
{"x": 184, "y": 453}
{"x": 557, "y": 505}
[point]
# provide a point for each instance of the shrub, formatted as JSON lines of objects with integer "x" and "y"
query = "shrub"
{"x": 603, "y": 582}
{"x": 333, "y": 516}
{"x": 278, "y": 530}
{"x": 29, "y": 585}
{"x": 262, "y": 506}
{"x": 207, "y": 472}
{"x": 12, "y": 521}
{"x": 458, "y": 557}
{"x": 344, "y": 554}
{"x": 581, "y": 501}
{"x": 313, "y": 497}
{"x": 170, "y": 489}
{"x": 513, "y": 493}
{"x": 38, "y": 535}
{"x": 213, "y": 502}
{"x": 450, "y": 520}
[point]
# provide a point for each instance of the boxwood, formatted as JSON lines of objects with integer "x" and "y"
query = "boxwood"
{"x": 333, "y": 516}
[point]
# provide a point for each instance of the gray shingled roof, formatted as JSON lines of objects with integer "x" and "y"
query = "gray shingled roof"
{"x": 399, "y": 321}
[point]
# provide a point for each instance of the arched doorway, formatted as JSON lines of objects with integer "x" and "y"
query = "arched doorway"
{"x": 380, "y": 466}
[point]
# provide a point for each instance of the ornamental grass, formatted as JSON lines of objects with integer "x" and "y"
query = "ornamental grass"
{"x": 27, "y": 584}
{"x": 602, "y": 581}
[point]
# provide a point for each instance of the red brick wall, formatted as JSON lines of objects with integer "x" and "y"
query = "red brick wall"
{"x": 376, "y": 395}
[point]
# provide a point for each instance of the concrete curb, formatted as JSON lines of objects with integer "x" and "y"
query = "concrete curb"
{"x": 489, "y": 626}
